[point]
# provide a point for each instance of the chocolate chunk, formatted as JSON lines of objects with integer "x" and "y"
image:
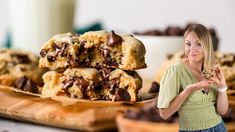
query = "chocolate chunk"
{"x": 109, "y": 62}
{"x": 60, "y": 51}
{"x": 71, "y": 61}
{"x": 154, "y": 88}
{"x": 43, "y": 52}
{"x": 67, "y": 84}
{"x": 82, "y": 83}
{"x": 114, "y": 39}
{"x": 112, "y": 91}
{"x": 97, "y": 86}
{"x": 50, "y": 58}
{"x": 79, "y": 81}
{"x": 86, "y": 50}
{"x": 55, "y": 46}
{"x": 85, "y": 56}
{"x": 85, "y": 63}
{"x": 105, "y": 73}
{"x": 122, "y": 95}
{"x": 21, "y": 82}
{"x": 105, "y": 52}
{"x": 114, "y": 83}
{"x": 64, "y": 46}
{"x": 21, "y": 58}
{"x": 131, "y": 73}
{"x": 31, "y": 86}
{"x": 26, "y": 84}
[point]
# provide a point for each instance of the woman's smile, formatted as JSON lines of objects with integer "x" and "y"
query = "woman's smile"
{"x": 193, "y": 54}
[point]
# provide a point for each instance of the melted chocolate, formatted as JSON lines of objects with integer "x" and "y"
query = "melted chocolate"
{"x": 122, "y": 95}
{"x": 114, "y": 39}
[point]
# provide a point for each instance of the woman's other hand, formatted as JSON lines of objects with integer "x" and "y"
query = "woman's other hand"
{"x": 219, "y": 78}
{"x": 222, "y": 99}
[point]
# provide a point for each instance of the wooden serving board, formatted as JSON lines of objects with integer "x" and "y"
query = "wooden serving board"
{"x": 84, "y": 115}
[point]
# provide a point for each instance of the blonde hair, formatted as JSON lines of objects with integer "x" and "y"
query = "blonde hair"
{"x": 204, "y": 36}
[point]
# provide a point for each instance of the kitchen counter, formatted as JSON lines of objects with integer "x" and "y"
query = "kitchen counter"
{"x": 7, "y": 125}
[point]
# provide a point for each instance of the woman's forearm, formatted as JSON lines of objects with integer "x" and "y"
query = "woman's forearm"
{"x": 175, "y": 104}
{"x": 222, "y": 103}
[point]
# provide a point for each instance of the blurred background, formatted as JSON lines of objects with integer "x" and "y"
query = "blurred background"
{"x": 131, "y": 15}
{"x": 28, "y": 24}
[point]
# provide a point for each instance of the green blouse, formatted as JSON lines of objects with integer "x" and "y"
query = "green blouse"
{"x": 198, "y": 110}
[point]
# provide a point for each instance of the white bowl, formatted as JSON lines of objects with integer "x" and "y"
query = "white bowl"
{"x": 157, "y": 49}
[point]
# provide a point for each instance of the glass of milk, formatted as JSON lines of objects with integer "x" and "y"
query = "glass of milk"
{"x": 33, "y": 22}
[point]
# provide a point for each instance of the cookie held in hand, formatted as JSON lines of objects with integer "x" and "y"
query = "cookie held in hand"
{"x": 209, "y": 73}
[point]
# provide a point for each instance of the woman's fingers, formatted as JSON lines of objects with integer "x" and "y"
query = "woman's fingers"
{"x": 219, "y": 79}
{"x": 215, "y": 80}
{"x": 205, "y": 83}
{"x": 219, "y": 73}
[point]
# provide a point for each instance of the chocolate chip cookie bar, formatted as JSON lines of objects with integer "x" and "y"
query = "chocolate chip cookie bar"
{"x": 16, "y": 63}
{"x": 209, "y": 73}
{"x": 93, "y": 84}
{"x": 94, "y": 49}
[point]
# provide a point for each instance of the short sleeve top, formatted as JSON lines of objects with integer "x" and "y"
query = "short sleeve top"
{"x": 192, "y": 112}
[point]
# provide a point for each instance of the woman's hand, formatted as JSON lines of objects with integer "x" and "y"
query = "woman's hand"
{"x": 219, "y": 79}
{"x": 204, "y": 84}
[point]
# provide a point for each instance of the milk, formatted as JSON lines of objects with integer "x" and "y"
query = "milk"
{"x": 33, "y": 22}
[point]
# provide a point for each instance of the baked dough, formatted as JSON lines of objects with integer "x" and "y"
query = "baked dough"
{"x": 94, "y": 49}
{"x": 93, "y": 84}
{"x": 15, "y": 63}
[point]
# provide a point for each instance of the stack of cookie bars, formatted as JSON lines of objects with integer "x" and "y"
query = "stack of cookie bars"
{"x": 97, "y": 65}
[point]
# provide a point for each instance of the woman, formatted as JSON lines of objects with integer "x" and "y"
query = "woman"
{"x": 183, "y": 87}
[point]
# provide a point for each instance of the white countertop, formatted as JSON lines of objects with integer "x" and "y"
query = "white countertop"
{"x": 7, "y": 125}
